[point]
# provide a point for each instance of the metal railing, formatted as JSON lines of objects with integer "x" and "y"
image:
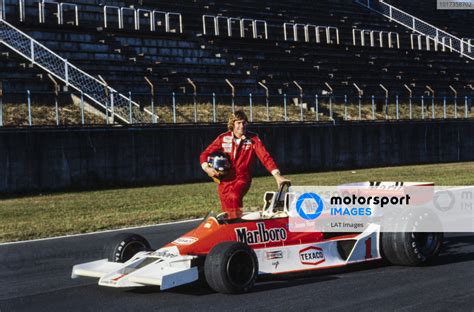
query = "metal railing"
{"x": 331, "y": 32}
{"x": 2, "y": 9}
{"x": 422, "y": 42}
{"x": 22, "y": 10}
{"x": 113, "y": 103}
{"x": 420, "y": 26}
{"x": 470, "y": 43}
{"x": 30, "y": 107}
{"x": 393, "y": 39}
{"x": 228, "y": 22}
{"x": 60, "y": 7}
{"x": 152, "y": 16}
{"x": 5, "y": 12}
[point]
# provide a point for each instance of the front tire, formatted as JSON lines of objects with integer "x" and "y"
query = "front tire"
{"x": 231, "y": 268}
{"x": 124, "y": 246}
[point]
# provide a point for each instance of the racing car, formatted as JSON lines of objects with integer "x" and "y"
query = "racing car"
{"x": 229, "y": 254}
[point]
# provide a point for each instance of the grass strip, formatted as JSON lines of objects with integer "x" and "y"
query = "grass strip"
{"x": 47, "y": 215}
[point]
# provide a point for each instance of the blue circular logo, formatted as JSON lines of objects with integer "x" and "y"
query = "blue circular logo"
{"x": 313, "y": 200}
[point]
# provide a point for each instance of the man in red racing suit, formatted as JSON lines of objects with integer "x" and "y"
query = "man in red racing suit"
{"x": 241, "y": 148}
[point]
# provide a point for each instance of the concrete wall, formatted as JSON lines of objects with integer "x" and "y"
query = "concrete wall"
{"x": 84, "y": 158}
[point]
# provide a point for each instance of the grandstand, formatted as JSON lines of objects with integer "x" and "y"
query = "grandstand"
{"x": 300, "y": 48}
{"x": 456, "y": 22}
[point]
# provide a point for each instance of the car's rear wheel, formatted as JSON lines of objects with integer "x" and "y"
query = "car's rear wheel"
{"x": 412, "y": 248}
{"x": 231, "y": 267}
{"x": 124, "y": 246}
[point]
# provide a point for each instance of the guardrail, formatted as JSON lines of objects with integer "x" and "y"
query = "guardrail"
{"x": 417, "y": 25}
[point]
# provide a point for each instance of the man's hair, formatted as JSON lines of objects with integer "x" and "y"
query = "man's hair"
{"x": 238, "y": 115}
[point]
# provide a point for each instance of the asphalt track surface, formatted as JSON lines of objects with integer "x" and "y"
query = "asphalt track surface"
{"x": 35, "y": 276}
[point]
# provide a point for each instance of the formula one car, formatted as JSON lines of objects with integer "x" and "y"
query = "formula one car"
{"x": 230, "y": 253}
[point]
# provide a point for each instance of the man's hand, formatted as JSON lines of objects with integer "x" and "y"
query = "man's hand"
{"x": 280, "y": 179}
{"x": 213, "y": 173}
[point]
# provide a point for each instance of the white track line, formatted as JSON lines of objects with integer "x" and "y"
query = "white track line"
{"x": 99, "y": 232}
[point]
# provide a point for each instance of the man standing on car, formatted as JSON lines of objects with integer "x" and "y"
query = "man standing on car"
{"x": 241, "y": 147}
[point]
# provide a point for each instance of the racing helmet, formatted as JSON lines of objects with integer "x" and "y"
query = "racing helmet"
{"x": 219, "y": 161}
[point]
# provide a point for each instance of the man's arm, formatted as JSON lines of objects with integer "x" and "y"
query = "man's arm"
{"x": 279, "y": 178}
{"x": 268, "y": 161}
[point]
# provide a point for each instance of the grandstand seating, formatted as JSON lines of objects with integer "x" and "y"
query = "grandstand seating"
{"x": 457, "y": 22}
{"x": 124, "y": 56}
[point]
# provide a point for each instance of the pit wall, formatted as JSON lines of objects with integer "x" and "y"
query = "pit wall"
{"x": 40, "y": 159}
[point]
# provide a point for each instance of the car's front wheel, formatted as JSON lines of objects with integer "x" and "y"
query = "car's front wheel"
{"x": 231, "y": 267}
{"x": 124, "y": 246}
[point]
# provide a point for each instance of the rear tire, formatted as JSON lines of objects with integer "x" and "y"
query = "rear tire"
{"x": 124, "y": 246}
{"x": 411, "y": 248}
{"x": 231, "y": 268}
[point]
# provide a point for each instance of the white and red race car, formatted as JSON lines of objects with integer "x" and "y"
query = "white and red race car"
{"x": 230, "y": 254}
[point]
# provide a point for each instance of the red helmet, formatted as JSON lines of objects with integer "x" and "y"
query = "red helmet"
{"x": 219, "y": 161}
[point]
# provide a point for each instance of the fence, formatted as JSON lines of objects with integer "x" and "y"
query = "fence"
{"x": 67, "y": 108}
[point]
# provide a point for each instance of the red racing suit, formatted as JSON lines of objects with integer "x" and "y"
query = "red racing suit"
{"x": 236, "y": 183}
